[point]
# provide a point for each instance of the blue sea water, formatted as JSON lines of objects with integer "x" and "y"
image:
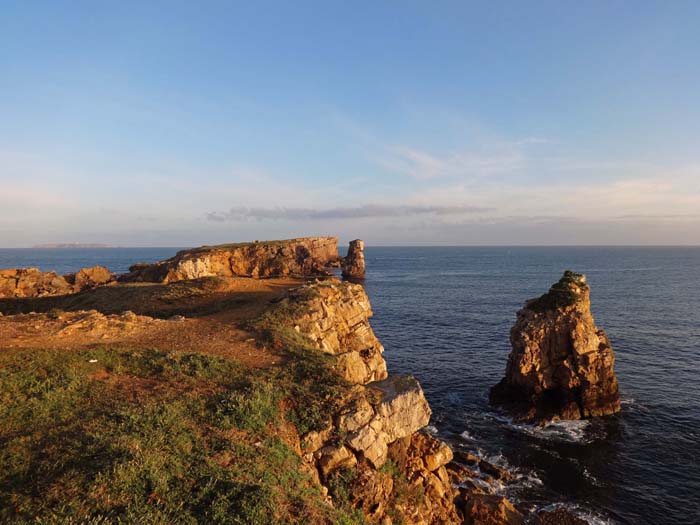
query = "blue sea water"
{"x": 444, "y": 315}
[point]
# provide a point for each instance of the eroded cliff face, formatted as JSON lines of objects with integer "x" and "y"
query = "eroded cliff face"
{"x": 32, "y": 282}
{"x": 373, "y": 444}
{"x": 561, "y": 364}
{"x": 294, "y": 257}
{"x": 334, "y": 316}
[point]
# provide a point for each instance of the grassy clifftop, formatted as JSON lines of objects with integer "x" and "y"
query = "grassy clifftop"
{"x": 144, "y": 436}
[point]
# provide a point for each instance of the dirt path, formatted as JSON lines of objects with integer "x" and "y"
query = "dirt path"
{"x": 206, "y": 315}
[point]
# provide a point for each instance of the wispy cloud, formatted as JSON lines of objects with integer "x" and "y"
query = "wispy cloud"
{"x": 242, "y": 213}
{"x": 420, "y": 164}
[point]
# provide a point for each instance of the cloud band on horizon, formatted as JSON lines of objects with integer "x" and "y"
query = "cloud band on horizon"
{"x": 243, "y": 213}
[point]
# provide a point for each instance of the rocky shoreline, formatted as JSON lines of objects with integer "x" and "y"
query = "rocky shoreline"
{"x": 372, "y": 444}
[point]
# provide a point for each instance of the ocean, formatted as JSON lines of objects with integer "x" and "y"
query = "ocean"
{"x": 444, "y": 315}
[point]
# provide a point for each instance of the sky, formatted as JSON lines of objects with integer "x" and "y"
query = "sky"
{"x": 402, "y": 123}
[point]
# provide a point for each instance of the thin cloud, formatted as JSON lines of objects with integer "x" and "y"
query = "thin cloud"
{"x": 242, "y": 213}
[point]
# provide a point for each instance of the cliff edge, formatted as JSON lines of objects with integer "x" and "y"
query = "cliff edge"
{"x": 294, "y": 257}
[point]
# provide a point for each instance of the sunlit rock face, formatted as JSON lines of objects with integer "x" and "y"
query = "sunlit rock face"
{"x": 32, "y": 282}
{"x": 334, "y": 316}
{"x": 259, "y": 259}
{"x": 561, "y": 364}
{"x": 354, "y": 261}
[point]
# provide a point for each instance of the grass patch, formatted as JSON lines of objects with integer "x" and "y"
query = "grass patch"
{"x": 151, "y": 437}
{"x": 561, "y": 294}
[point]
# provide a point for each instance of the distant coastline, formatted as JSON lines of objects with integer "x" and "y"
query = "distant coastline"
{"x": 61, "y": 245}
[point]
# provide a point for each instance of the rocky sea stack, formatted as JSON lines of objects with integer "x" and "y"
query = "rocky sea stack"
{"x": 561, "y": 364}
{"x": 354, "y": 261}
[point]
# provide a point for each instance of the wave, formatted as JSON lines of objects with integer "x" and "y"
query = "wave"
{"x": 590, "y": 516}
{"x": 571, "y": 431}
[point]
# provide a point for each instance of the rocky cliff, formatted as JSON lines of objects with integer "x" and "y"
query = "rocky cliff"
{"x": 293, "y": 257}
{"x": 373, "y": 442}
{"x": 561, "y": 364}
{"x": 32, "y": 282}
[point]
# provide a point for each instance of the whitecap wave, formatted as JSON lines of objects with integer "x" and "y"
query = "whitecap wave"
{"x": 590, "y": 516}
{"x": 466, "y": 436}
{"x": 575, "y": 431}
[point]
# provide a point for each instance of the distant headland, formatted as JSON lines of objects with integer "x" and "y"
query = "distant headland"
{"x": 60, "y": 245}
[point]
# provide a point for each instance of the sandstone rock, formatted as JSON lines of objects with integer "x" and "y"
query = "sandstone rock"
{"x": 371, "y": 491}
{"x": 334, "y": 316}
{"x": 561, "y": 365}
{"x": 489, "y": 509}
{"x": 31, "y": 282}
{"x": 293, "y": 257}
{"x": 414, "y": 456}
{"x": 354, "y": 262}
{"x": 87, "y": 278}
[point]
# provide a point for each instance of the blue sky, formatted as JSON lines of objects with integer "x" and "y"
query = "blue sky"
{"x": 183, "y": 123}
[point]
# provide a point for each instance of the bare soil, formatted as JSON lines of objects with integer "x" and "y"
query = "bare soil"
{"x": 204, "y": 315}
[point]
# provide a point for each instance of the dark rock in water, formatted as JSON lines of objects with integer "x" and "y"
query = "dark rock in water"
{"x": 561, "y": 364}
{"x": 558, "y": 516}
{"x": 354, "y": 261}
{"x": 488, "y": 509}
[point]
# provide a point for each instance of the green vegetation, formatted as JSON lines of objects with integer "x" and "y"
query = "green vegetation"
{"x": 114, "y": 436}
{"x": 563, "y": 293}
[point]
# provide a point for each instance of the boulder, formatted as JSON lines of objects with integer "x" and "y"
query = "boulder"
{"x": 259, "y": 259}
{"x": 88, "y": 278}
{"x": 489, "y": 509}
{"x": 354, "y": 262}
{"x": 400, "y": 410}
{"x": 561, "y": 364}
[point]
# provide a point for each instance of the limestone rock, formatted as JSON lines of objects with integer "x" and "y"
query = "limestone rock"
{"x": 334, "y": 316}
{"x": 293, "y": 257}
{"x": 400, "y": 411}
{"x": 32, "y": 282}
{"x": 354, "y": 262}
{"x": 561, "y": 364}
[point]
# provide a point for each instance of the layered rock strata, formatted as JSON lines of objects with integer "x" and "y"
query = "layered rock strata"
{"x": 561, "y": 364}
{"x": 32, "y": 282}
{"x": 354, "y": 262}
{"x": 334, "y": 316}
{"x": 295, "y": 257}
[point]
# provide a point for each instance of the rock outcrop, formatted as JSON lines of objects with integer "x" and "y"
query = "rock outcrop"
{"x": 88, "y": 278}
{"x": 334, "y": 316}
{"x": 295, "y": 257}
{"x": 561, "y": 364}
{"x": 354, "y": 262}
{"x": 373, "y": 443}
{"x": 32, "y": 282}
